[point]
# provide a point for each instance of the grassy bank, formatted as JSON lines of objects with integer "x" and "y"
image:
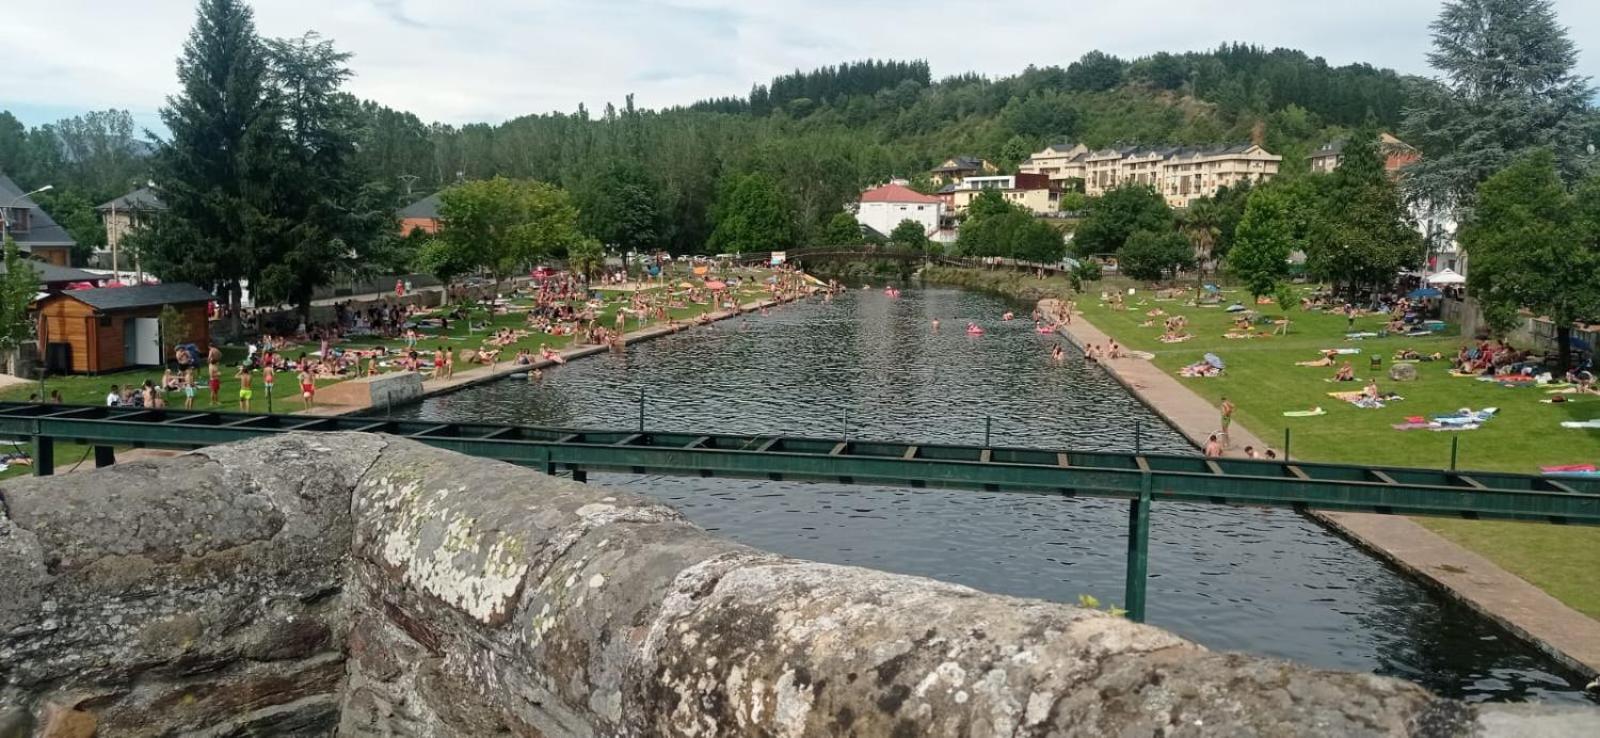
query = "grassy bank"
{"x": 1003, "y": 282}
{"x": 462, "y": 335}
{"x": 1263, "y": 381}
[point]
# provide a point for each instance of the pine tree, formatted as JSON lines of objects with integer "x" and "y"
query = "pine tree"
{"x": 1508, "y": 87}
{"x": 217, "y": 171}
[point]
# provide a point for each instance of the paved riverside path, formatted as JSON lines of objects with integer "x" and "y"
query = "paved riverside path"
{"x": 1567, "y": 635}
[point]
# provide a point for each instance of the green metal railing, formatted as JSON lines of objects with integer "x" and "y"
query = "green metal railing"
{"x": 1140, "y": 478}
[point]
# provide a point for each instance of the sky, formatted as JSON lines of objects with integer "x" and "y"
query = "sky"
{"x": 461, "y": 61}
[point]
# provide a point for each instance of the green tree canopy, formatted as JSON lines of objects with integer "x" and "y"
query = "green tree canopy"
{"x": 502, "y": 226}
{"x": 17, "y": 288}
{"x": 621, "y": 208}
{"x": 909, "y": 235}
{"x": 1014, "y": 234}
{"x": 1152, "y": 255}
{"x": 1535, "y": 245}
{"x": 842, "y": 230}
{"x": 1265, "y": 238}
{"x": 1509, "y": 85}
{"x": 1365, "y": 236}
{"x": 751, "y": 214}
{"x": 1118, "y": 214}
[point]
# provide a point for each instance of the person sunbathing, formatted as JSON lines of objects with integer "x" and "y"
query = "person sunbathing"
{"x": 1326, "y": 360}
{"x": 1346, "y": 373}
{"x": 487, "y": 357}
{"x": 550, "y": 355}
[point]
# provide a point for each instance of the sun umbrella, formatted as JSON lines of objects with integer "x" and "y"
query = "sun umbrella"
{"x": 716, "y": 285}
{"x": 700, "y": 271}
{"x": 1423, "y": 292}
{"x": 1214, "y": 360}
{"x": 81, "y": 286}
{"x": 685, "y": 285}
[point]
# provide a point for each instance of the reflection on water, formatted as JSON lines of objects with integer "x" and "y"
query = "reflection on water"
{"x": 862, "y": 365}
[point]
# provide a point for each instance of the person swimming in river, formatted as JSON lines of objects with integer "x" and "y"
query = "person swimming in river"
{"x": 935, "y": 325}
{"x": 1008, "y": 315}
{"x": 974, "y": 330}
{"x": 1056, "y": 354}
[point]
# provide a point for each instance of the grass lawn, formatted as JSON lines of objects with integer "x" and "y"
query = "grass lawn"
{"x": 91, "y": 390}
{"x": 1263, "y": 383}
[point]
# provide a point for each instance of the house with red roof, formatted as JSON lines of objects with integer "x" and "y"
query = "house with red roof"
{"x": 883, "y": 208}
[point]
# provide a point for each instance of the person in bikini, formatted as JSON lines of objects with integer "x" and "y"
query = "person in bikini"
{"x": 308, "y": 388}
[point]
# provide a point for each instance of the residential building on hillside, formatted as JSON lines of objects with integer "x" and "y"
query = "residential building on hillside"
{"x": 1035, "y": 192}
{"x": 883, "y": 208}
{"x": 1396, "y": 154}
{"x": 1180, "y": 174}
{"x": 422, "y": 214}
{"x": 121, "y": 216}
{"x": 1062, "y": 162}
{"x": 35, "y": 232}
{"x": 958, "y": 168}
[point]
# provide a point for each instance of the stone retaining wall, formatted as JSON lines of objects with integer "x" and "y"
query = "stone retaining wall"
{"x": 366, "y": 586}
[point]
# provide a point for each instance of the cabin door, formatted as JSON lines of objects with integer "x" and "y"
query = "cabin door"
{"x": 141, "y": 341}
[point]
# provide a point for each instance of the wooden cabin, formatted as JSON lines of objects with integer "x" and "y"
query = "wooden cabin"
{"x": 114, "y": 328}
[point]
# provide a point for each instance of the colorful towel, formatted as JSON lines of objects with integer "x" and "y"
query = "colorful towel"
{"x": 1305, "y": 413}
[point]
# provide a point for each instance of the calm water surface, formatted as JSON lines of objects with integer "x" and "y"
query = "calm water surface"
{"x": 1265, "y": 581}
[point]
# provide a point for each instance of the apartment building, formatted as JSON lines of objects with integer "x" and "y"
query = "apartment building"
{"x": 1035, "y": 192}
{"x": 1180, "y": 174}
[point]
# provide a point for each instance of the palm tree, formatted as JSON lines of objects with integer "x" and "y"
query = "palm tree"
{"x": 1202, "y": 225}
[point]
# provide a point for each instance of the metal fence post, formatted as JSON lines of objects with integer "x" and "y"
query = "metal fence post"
{"x": 1455, "y": 441}
{"x": 1138, "y": 437}
{"x": 1138, "y": 569}
{"x": 1286, "y": 445}
{"x": 988, "y": 426}
{"x": 641, "y": 409}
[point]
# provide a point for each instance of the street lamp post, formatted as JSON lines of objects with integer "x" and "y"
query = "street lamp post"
{"x": 5, "y": 231}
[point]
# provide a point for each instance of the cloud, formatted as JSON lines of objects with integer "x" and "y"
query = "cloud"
{"x": 490, "y": 60}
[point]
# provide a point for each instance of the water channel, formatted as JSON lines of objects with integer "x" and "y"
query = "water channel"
{"x": 1263, "y": 581}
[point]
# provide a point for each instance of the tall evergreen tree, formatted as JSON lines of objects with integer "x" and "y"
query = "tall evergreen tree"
{"x": 1509, "y": 86}
{"x": 219, "y": 169}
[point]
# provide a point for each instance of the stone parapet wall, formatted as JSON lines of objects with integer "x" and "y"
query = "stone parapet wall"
{"x": 371, "y": 586}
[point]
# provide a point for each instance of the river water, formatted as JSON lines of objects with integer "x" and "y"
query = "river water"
{"x": 1269, "y": 582}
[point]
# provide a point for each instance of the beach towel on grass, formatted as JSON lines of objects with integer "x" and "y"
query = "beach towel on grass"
{"x": 1590, "y": 424}
{"x": 1305, "y": 413}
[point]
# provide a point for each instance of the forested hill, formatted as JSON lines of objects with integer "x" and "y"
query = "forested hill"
{"x": 822, "y": 135}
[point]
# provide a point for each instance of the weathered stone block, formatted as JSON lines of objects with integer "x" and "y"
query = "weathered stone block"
{"x": 383, "y": 390}
{"x": 370, "y": 586}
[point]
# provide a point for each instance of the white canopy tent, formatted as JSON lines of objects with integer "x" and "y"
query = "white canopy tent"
{"x": 1448, "y": 276}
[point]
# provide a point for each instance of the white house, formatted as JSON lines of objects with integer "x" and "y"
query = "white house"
{"x": 883, "y": 208}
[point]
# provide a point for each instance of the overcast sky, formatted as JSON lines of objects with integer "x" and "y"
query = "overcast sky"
{"x": 488, "y": 60}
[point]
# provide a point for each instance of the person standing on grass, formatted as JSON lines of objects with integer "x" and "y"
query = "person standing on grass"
{"x": 245, "y": 392}
{"x": 188, "y": 392}
{"x": 1227, "y": 420}
{"x": 308, "y": 389}
{"x": 268, "y": 374}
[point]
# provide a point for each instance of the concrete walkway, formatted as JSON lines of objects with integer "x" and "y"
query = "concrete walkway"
{"x": 1567, "y": 635}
